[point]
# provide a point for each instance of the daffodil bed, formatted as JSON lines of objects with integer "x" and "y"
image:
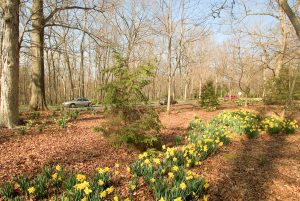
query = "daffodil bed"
{"x": 168, "y": 173}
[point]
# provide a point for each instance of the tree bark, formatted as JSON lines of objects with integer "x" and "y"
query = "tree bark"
{"x": 282, "y": 42}
{"x": 291, "y": 15}
{"x": 38, "y": 98}
{"x": 169, "y": 55}
{"x": 82, "y": 47}
{"x": 9, "y": 106}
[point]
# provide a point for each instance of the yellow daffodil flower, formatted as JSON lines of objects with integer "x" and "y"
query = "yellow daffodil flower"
{"x": 31, "y": 190}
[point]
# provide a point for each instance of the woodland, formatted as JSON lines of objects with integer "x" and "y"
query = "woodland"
{"x": 188, "y": 100}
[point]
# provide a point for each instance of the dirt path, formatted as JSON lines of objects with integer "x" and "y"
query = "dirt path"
{"x": 267, "y": 168}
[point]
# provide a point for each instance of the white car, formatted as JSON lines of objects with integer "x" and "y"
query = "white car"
{"x": 80, "y": 102}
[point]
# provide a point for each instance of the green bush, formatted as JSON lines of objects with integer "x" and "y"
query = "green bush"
{"x": 209, "y": 99}
{"x": 129, "y": 122}
{"x": 278, "y": 88}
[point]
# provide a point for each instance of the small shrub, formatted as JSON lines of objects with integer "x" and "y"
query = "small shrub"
{"x": 74, "y": 114}
{"x": 34, "y": 115}
{"x": 21, "y": 130}
{"x": 142, "y": 133}
{"x": 63, "y": 121}
{"x": 129, "y": 122}
{"x": 209, "y": 99}
{"x": 30, "y": 124}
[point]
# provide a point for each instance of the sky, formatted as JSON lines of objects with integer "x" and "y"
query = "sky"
{"x": 221, "y": 25}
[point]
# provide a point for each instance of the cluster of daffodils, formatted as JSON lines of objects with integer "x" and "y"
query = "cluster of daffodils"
{"x": 167, "y": 175}
{"x": 290, "y": 126}
{"x": 275, "y": 125}
{"x": 239, "y": 121}
{"x": 55, "y": 184}
{"x": 98, "y": 188}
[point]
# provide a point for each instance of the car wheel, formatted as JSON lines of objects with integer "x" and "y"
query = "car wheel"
{"x": 72, "y": 105}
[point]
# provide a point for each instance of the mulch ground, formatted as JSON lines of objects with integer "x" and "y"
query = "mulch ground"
{"x": 267, "y": 168}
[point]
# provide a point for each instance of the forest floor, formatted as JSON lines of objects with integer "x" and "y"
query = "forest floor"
{"x": 266, "y": 168}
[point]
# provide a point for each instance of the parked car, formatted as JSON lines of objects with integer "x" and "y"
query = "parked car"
{"x": 233, "y": 97}
{"x": 80, "y": 102}
{"x": 164, "y": 101}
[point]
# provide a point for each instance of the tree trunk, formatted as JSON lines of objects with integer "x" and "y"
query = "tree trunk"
{"x": 54, "y": 77}
{"x": 82, "y": 92}
{"x": 9, "y": 107}
{"x": 38, "y": 98}
{"x": 169, "y": 74}
{"x": 291, "y": 15}
{"x": 169, "y": 55}
{"x": 282, "y": 42}
{"x": 67, "y": 62}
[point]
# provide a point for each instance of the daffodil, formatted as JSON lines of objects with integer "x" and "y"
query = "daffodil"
{"x": 54, "y": 176}
{"x": 171, "y": 175}
{"x": 175, "y": 168}
{"x": 132, "y": 187}
{"x": 152, "y": 180}
{"x": 31, "y": 190}
{"x": 156, "y": 161}
{"x": 100, "y": 182}
{"x": 103, "y": 194}
{"x": 147, "y": 161}
{"x": 182, "y": 186}
{"x": 82, "y": 185}
{"x": 87, "y": 191}
{"x": 178, "y": 199}
{"x": 80, "y": 177}
{"x": 128, "y": 169}
{"x": 110, "y": 190}
{"x": 205, "y": 148}
{"x": 206, "y": 185}
{"x": 58, "y": 168}
{"x": 84, "y": 199}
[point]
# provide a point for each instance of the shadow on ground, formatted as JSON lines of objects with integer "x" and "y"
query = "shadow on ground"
{"x": 252, "y": 170}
